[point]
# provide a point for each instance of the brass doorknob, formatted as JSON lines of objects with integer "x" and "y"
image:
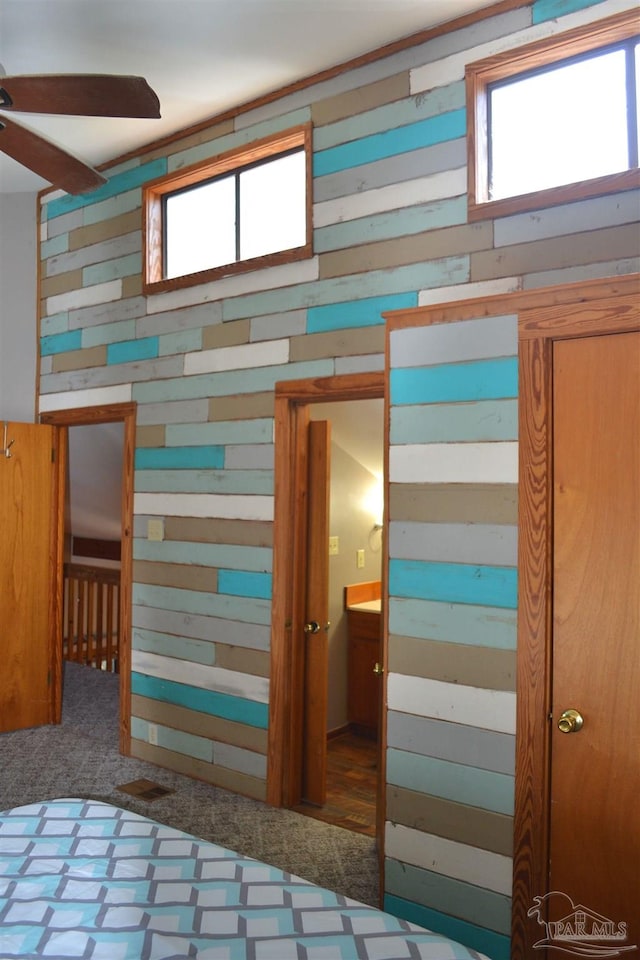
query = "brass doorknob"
{"x": 378, "y": 669}
{"x": 312, "y": 627}
{"x": 570, "y": 722}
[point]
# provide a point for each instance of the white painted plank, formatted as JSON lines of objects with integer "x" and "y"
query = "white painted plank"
{"x": 285, "y": 275}
{"x": 449, "y": 69}
{"x": 453, "y": 702}
{"x": 468, "y": 291}
{"x": 454, "y": 463}
{"x": 481, "y": 338}
{"x": 448, "y": 183}
{"x": 201, "y": 675}
{"x": 72, "y": 399}
{"x": 244, "y": 356}
{"x": 230, "y": 506}
{"x": 449, "y": 858}
{"x": 84, "y": 297}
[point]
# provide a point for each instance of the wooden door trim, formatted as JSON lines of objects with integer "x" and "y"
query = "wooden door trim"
{"x": 538, "y": 329}
{"x": 292, "y": 399}
{"x": 85, "y": 416}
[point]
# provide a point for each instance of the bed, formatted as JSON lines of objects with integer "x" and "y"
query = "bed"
{"x": 85, "y": 879}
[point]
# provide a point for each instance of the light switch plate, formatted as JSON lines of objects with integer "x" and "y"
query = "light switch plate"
{"x": 155, "y": 529}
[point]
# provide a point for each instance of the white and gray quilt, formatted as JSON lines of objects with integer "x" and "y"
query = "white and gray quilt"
{"x": 84, "y": 879}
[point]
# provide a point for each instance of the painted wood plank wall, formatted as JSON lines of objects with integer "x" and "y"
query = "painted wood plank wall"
{"x": 390, "y": 232}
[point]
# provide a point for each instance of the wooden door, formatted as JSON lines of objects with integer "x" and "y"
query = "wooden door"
{"x": 316, "y": 653}
{"x": 595, "y": 771}
{"x": 29, "y": 566}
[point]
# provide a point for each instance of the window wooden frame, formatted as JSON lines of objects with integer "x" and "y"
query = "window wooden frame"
{"x": 480, "y": 75}
{"x": 228, "y": 162}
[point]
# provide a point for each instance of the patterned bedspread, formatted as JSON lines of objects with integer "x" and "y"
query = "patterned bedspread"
{"x": 83, "y": 879}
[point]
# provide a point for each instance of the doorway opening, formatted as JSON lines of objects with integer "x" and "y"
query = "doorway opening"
{"x": 94, "y": 607}
{"x": 316, "y": 718}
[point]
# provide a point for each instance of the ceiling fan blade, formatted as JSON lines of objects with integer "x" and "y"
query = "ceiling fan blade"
{"x": 41, "y": 156}
{"x": 77, "y": 94}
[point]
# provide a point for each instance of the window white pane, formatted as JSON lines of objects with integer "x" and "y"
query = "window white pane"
{"x": 201, "y": 228}
{"x": 273, "y": 206}
{"x": 561, "y": 126}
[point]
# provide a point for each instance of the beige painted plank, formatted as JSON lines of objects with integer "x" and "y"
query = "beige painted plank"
{"x": 579, "y": 249}
{"x": 242, "y": 406}
{"x": 243, "y": 532}
{"x": 226, "y": 334}
{"x": 451, "y": 503}
{"x": 352, "y": 102}
{"x": 204, "y": 505}
{"x": 62, "y": 283}
{"x": 337, "y": 343}
{"x": 456, "y": 821}
{"x": 179, "y": 575}
{"x": 151, "y": 436}
{"x": 243, "y": 660}
{"x": 80, "y": 359}
{"x": 199, "y": 724}
{"x": 419, "y": 248}
{"x": 105, "y": 229}
{"x": 483, "y": 667}
{"x": 200, "y": 770}
{"x": 132, "y": 286}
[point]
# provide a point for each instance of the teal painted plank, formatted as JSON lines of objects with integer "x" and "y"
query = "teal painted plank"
{"x": 476, "y": 584}
{"x": 127, "y": 266}
{"x": 208, "y": 604}
{"x": 357, "y": 313}
{"x": 394, "y": 223}
{"x": 374, "y": 283}
{"x": 130, "y": 350}
{"x": 480, "y": 421}
{"x": 224, "y": 705}
{"x": 165, "y": 644}
{"x": 119, "y": 183}
{"x": 455, "y": 897}
{"x": 54, "y": 246}
{"x": 451, "y": 781}
{"x": 492, "y": 944}
{"x": 204, "y": 481}
{"x": 552, "y": 9}
{"x": 231, "y": 556}
{"x": 178, "y": 741}
{"x": 226, "y": 384}
{"x": 390, "y": 116}
{"x": 240, "y": 583}
{"x": 60, "y": 343}
{"x": 178, "y": 458}
{"x": 455, "y": 382}
{"x": 108, "y": 333}
{"x": 413, "y": 136}
{"x": 56, "y": 323}
{"x": 184, "y": 341}
{"x": 453, "y": 623}
{"x": 221, "y": 432}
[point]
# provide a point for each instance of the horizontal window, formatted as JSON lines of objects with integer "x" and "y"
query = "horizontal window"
{"x": 246, "y": 209}
{"x": 555, "y": 121}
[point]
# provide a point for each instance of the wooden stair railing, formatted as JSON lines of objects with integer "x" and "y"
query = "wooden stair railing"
{"x": 91, "y": 616}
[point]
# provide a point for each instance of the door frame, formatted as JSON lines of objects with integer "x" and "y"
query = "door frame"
{"x": 86, "y": 416}
{"x": 610, "y": 311}
{"x": 292, "y": 400}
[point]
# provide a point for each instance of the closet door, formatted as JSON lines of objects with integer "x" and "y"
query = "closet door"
{"x": 29, "y": 570}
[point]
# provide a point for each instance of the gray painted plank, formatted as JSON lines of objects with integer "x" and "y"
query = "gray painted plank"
{"x": 476, "y": 339}
{"x": 456, "y": 742}
{"x": 454, "y": 542}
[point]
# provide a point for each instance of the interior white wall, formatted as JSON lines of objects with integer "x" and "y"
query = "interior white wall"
{"x": 18, "y": 273}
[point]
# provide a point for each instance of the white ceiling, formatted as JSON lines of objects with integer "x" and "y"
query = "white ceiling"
{"x": 200, "y": 56}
